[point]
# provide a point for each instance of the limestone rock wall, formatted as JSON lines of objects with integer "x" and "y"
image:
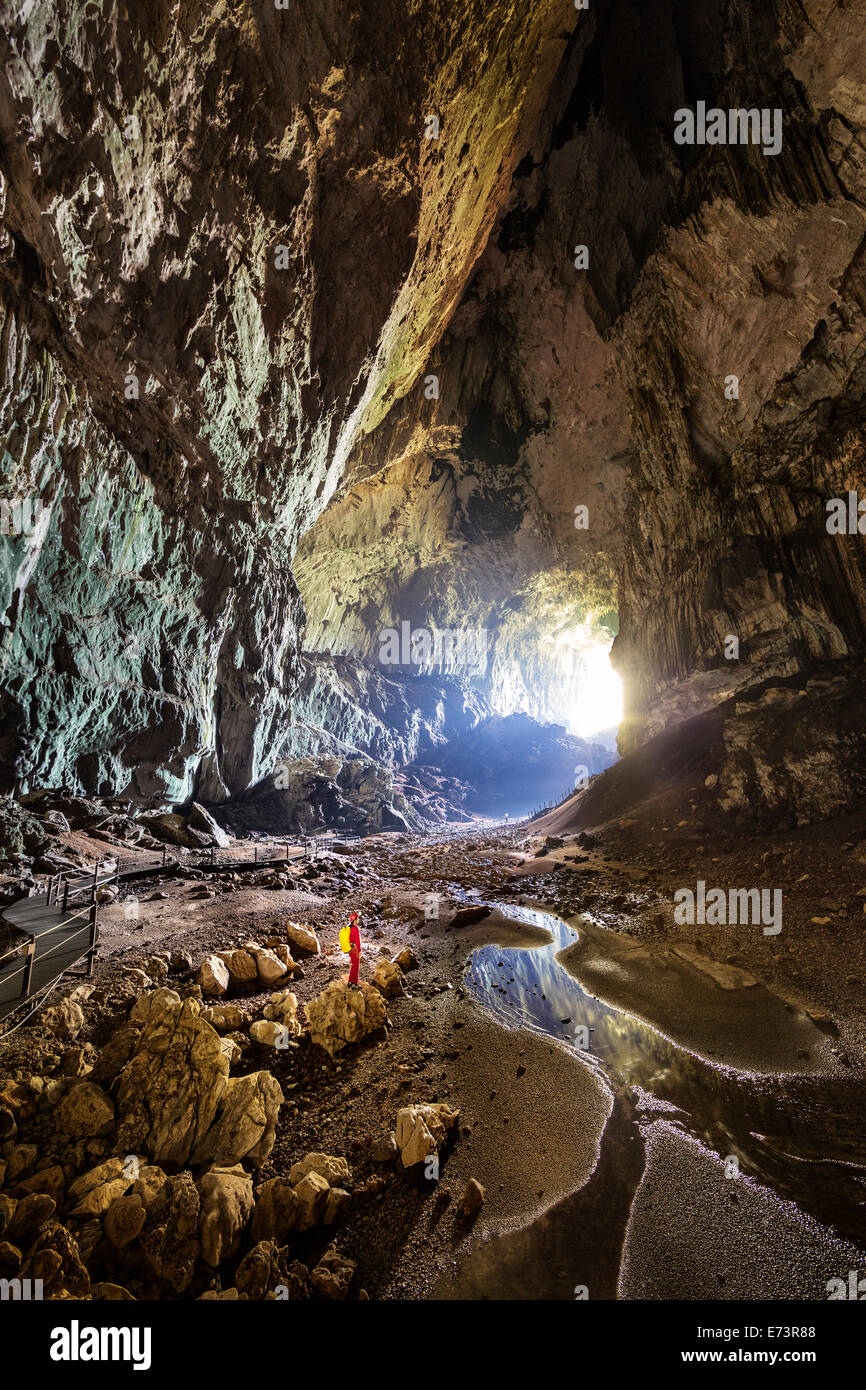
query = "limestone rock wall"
{"x": 238, "y": 207}
{"x": 226, "y": 250}
{"x": 608, "y": 386}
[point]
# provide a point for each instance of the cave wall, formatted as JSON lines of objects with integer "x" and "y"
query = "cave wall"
{"x": 236, "y": 206}
{"x": 608, "y": 386}
{"x": 154, "y": 165}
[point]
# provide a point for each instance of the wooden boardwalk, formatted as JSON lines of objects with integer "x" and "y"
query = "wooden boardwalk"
{"x": 59, "y": 937}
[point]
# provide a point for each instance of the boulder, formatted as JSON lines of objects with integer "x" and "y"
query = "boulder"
{"x": 17, "y": 1099}
{"x": 312, "y": 1194}
{"x": 265, "y": 1273}
{"x": 124, "y": 1220}
{"x": 241, "y": 966}
{"x": 226, "y": 1204}
{"x": 169, "y": 1239}
{"x": 387, "y": 978}
{"x": 200, "y": 819}
{"x": 406, "y": 959}
{"x": 340, "y": 1016}
{"x": 276, "y": 1212}
{"x": 85, "y": 1111}
{"x": 27, "y": 1215}
{"x": 472, "y": 1200}
{"x": 170, "y": 1090}
{"x": 213, "y": 976}
{"x": 333, "y": 1275}
{"x": 383, "y": 1149}
{"x": 54, "y": 1258}
{"x": 283, "y": 1008}
{"x": 19, "y": 1157}
{"x": 304, "y": 938}
{"x": 282, "y": 953}
{"x": 149, "y": 1184}
{"x": 95, "y": 1191}
{"x": 335, "y": 1171}
{"x": 269, "y": 1034}
{"x": 246, "y": 1125}
{"x": 231, "y": 1049}
{"x": 225, "y": 1018}
{"x": 50, "y": 1181}
{"x": 172, "y": 829}
{"x": 65, "y": 1019}
{"x": 269, "y": 966}
{"x": 78, "y": 1061}
{"x": 422, "y": 1131}
{"x": 116, "y": 1053}
{"x": 337, "y": 1207}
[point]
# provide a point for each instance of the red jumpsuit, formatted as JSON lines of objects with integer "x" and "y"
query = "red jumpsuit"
{"x": 354, "y": 952}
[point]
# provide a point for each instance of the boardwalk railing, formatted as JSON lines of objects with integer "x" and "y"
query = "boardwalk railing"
{"x": 551, "y": 805}
{"x": 35, "y": 917}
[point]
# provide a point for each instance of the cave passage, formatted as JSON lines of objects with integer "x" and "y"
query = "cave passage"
{"x": 432, "y": 632}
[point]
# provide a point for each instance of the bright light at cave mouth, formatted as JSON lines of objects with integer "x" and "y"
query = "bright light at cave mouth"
{"x": 599, "y": 703}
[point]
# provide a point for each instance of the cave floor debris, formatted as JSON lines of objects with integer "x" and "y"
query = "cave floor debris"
{"x": 574, "y": 1154}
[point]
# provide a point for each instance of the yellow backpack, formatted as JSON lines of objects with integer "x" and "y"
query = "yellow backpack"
{"x": 345, "y": 942}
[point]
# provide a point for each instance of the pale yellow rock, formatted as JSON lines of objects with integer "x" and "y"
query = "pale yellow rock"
{"x": 170, "y": 1090}
{"x": 422, "y": 1130}
{"x": 225, "y": 1018}
{"x": 226, "y": 1206}
{"x": 334, "y": 1170}
{"x": 270, "y": 967}
{"x": 276, "y": 1212}
{"x": 312, "y": 1194}
{"x": 124, "y": 1220}
{"x": 283, "y": 1008}
{"x": 340, "y": 1015}
{"x": 213, "y": 976}
{"x": 270, "y": 1034}
{"x": 304, "y": 938}
{"x": 65, "y": 1019}
{"x": 241, "y": 966}
{"x": 245, "y": 1127}
{"x": 337, "y": 1207}
{"x": 333, "y": 1275}
{"x": 387, "y": 978}
{"x": 85, "y": 1111}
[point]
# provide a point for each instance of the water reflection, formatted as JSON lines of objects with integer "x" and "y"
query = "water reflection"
{"x": 801, "y": 1136}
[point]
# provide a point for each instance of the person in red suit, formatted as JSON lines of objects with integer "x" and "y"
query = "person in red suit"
{"x": 354, "y": 951}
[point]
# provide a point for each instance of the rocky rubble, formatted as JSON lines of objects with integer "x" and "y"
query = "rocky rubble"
{"x": 165, "y": 1103}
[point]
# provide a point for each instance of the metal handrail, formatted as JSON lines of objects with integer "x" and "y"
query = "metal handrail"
{"x": 15, "y": 950}
{"x": 89, "y": 883}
